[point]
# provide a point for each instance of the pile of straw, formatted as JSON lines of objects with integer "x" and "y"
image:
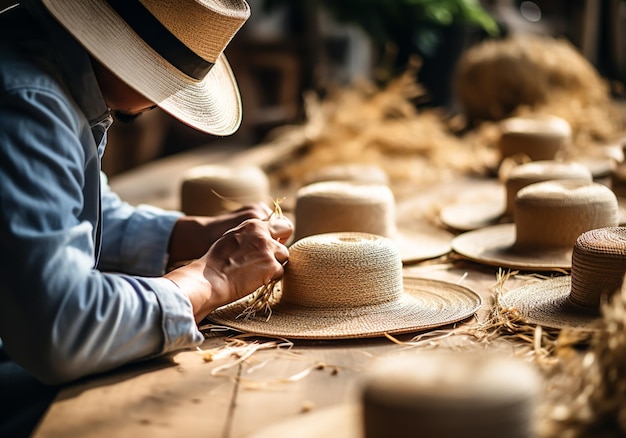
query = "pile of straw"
{"x": 367, "y": 124}
{"x": 539, "y": 75}
{"x": 590, "y": 398}
{"x": 382, "y": 126}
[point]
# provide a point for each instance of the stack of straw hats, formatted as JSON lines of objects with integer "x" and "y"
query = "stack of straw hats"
{"x": 548, "y": 218}
{"x": 467, "y": 216}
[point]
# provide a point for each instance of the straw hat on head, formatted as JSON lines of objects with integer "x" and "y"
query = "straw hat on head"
{"x": 350, "y": 285}
{"x": 466, "y": 216}
{"x": 598, "y": 268}
{"x": 213, "y": 189}
{"x": 171, "y": 51}
{"x": 549, "y": 216}
{"x": 432, "y": 394}
{"x": 539, "y": 137}
{"x": 332, "y": 206}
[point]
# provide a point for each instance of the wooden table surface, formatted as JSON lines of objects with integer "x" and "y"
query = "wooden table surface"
{"x": 184, "y": 395}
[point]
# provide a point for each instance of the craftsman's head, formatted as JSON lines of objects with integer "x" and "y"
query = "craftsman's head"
{"x": 167, "y": 53}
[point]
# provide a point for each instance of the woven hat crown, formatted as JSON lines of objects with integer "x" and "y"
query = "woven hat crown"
{"x": 212, "y": 189}
{"x": 204, "y": 26}
{"x": 539, "y": 171}
{"x": 552, "y": 214}
{"x": 336, "y": 206}
{"x": 598, "y": 266}
{"x": 342, "y": 270}
{"x": 447, "y": 395}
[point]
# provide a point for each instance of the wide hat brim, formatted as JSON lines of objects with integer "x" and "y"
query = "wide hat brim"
{"x": 546, "y": 303}
{"x": 468, "y": 217}
{"x": 426, "y": 304}
{"x": 494, "y": 246}
{"x": 476, "y": 204}
{"x": 212, "y": 105}
{"x": 426, "y": 243}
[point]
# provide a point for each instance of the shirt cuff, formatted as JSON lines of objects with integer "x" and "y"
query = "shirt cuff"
{"x": 179, "y": 326}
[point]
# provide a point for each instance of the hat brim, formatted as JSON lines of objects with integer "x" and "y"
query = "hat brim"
{"x": 426, "y": 304}
{"x": 212, "y": 105}
{"x": 468, "y": 217}
{"x": 494, "y": 246}
{"x": 427, "y": 243}
{"x": 546, "y": 303}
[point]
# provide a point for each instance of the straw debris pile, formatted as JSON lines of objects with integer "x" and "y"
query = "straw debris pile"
{"x": 537, "y": 75}
{"x": 590, "y": 398}
{"x": 495, "y": 79}
{"x": 382, "y": 126}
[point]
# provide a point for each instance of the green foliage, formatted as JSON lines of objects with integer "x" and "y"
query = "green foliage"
{"x": 396, "y": 21}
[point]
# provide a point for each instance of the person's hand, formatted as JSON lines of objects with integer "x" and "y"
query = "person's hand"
{"x": 193, "y": 235}
{"x": 242, "y": 260}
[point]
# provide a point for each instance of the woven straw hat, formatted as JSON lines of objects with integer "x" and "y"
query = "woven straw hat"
{"x": 433, "y": 394}
{"x": 212, "y": 189}
{"x": 332, "y": 206}
{"x": 467, "y": 216}
{"x": 598, "y": 268}
{"x": 539, "y": 137}
{"x": 549, "y": 216}
{"x": 350, "y": 285}
{"x": 171, "y": 51}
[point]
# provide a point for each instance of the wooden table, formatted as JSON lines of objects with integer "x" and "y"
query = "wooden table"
{"x": 184, "y": 395}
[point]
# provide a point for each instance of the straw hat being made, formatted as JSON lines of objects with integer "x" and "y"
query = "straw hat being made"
{"x": 549, "y": 216}
{"x": 212, "y": 189}
{"x": 471, "y": 215}
{"x": 434, "y": 394}
{"x": 350, "y": 285}
{"x": 598, "y": 268}
{"x": 171, "y": 51}
{"x": 333, "y": 206}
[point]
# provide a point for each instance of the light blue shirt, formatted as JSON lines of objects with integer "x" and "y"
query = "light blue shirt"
{"x": 79, "y": 286}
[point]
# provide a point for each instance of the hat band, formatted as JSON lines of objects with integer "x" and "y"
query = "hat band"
{"x": 161, "y": 39}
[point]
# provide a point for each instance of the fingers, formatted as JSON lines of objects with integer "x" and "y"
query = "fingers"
{"x": 280, "y": 228}
{"x": 259, "y": 210}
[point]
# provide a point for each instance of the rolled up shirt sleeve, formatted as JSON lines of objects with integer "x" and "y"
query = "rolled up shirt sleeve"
{"x": 136, "y": 237}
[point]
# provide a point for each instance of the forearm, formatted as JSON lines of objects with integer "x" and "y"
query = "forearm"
{"x": 87, "y": 322}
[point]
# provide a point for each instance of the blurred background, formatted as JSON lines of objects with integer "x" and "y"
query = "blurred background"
{"x": 290, "y": 48}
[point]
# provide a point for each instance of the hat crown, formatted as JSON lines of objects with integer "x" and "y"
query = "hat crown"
{"x": 598, "y": 266}
{"x": 448, "y": 394}
{"x": 539, "y": 171}
{"x": 337, "y": 206}
{"x": 212, "y": 189}
{"x": 538, "y": 138}
{"x": 552, "y": 214}
{"x": 204, "y": 26}
{"x": 342, "y": 270}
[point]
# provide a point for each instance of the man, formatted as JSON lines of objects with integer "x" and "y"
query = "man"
{"x": 83, "y": 287}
